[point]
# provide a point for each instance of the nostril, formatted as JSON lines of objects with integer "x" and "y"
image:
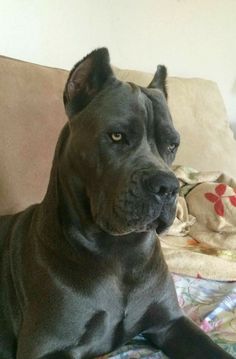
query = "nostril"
{"x": 166, "y": 192}
{"x": 163, "y": 191}
{"x": 163, "y": 185}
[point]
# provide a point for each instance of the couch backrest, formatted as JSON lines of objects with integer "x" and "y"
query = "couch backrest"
{"x": 32, "y": 115}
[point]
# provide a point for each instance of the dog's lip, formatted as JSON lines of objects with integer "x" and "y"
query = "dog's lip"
{"x": 154, "y": 225}
{"x": 159, "y": 222}
{"x": 162, "y": 227}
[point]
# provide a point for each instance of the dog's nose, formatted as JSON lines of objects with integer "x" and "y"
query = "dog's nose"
{"x": 163, "y": 184}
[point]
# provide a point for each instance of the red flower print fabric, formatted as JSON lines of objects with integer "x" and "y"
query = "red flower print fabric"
{"x": 217, "y": 197}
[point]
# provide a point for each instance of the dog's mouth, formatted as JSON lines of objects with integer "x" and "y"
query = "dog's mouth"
{"x": 160, "y": 225}
{"x": 162, "y": 222}
{"x": 156, "y": 217}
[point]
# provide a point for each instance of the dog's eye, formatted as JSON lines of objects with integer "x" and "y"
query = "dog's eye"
{"x": 116, "y": 136}
{"x": 172, "y": 147}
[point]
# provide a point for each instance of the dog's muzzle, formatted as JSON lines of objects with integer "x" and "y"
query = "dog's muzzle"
{"x": 148, "y": 202}
{"x": 162, "y": 188}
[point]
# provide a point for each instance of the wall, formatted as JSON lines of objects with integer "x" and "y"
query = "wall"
{"x": 194, "y": 38}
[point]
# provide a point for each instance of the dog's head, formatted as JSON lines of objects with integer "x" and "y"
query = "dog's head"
{"x": 122, "y": 141}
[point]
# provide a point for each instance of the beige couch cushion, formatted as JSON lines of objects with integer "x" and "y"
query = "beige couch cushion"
{"x": 198, "y": 112}
{"x": 32, "y": 115}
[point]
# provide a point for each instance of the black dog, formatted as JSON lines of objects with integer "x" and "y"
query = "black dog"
{"x": 83, "y": 272}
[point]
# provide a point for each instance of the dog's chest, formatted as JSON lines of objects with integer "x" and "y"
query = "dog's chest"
{"x": 106, "y": 316}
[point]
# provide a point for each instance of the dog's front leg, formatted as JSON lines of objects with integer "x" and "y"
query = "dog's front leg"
{"x": 182, "y": 339}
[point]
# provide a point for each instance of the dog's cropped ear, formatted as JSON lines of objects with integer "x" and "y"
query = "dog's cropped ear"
{"x": 159, "y": 80}
{"x": 86, "y": 79}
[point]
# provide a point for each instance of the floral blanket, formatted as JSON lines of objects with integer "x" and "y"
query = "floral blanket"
{"x": 210, "y": 304}
{"x": 202, "y": 240}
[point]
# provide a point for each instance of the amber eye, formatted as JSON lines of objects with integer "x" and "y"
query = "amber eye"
{"x": 116, "y": 136}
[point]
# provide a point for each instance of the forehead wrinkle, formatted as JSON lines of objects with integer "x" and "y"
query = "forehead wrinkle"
{"x": 160, "y": 107}
{"x": 136, "y": 101}
{"x": 159, "y": 120}
{"x": 149, "y": 112}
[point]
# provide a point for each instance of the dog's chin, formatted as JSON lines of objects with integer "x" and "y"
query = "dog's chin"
{"x": 114, "y": 229}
